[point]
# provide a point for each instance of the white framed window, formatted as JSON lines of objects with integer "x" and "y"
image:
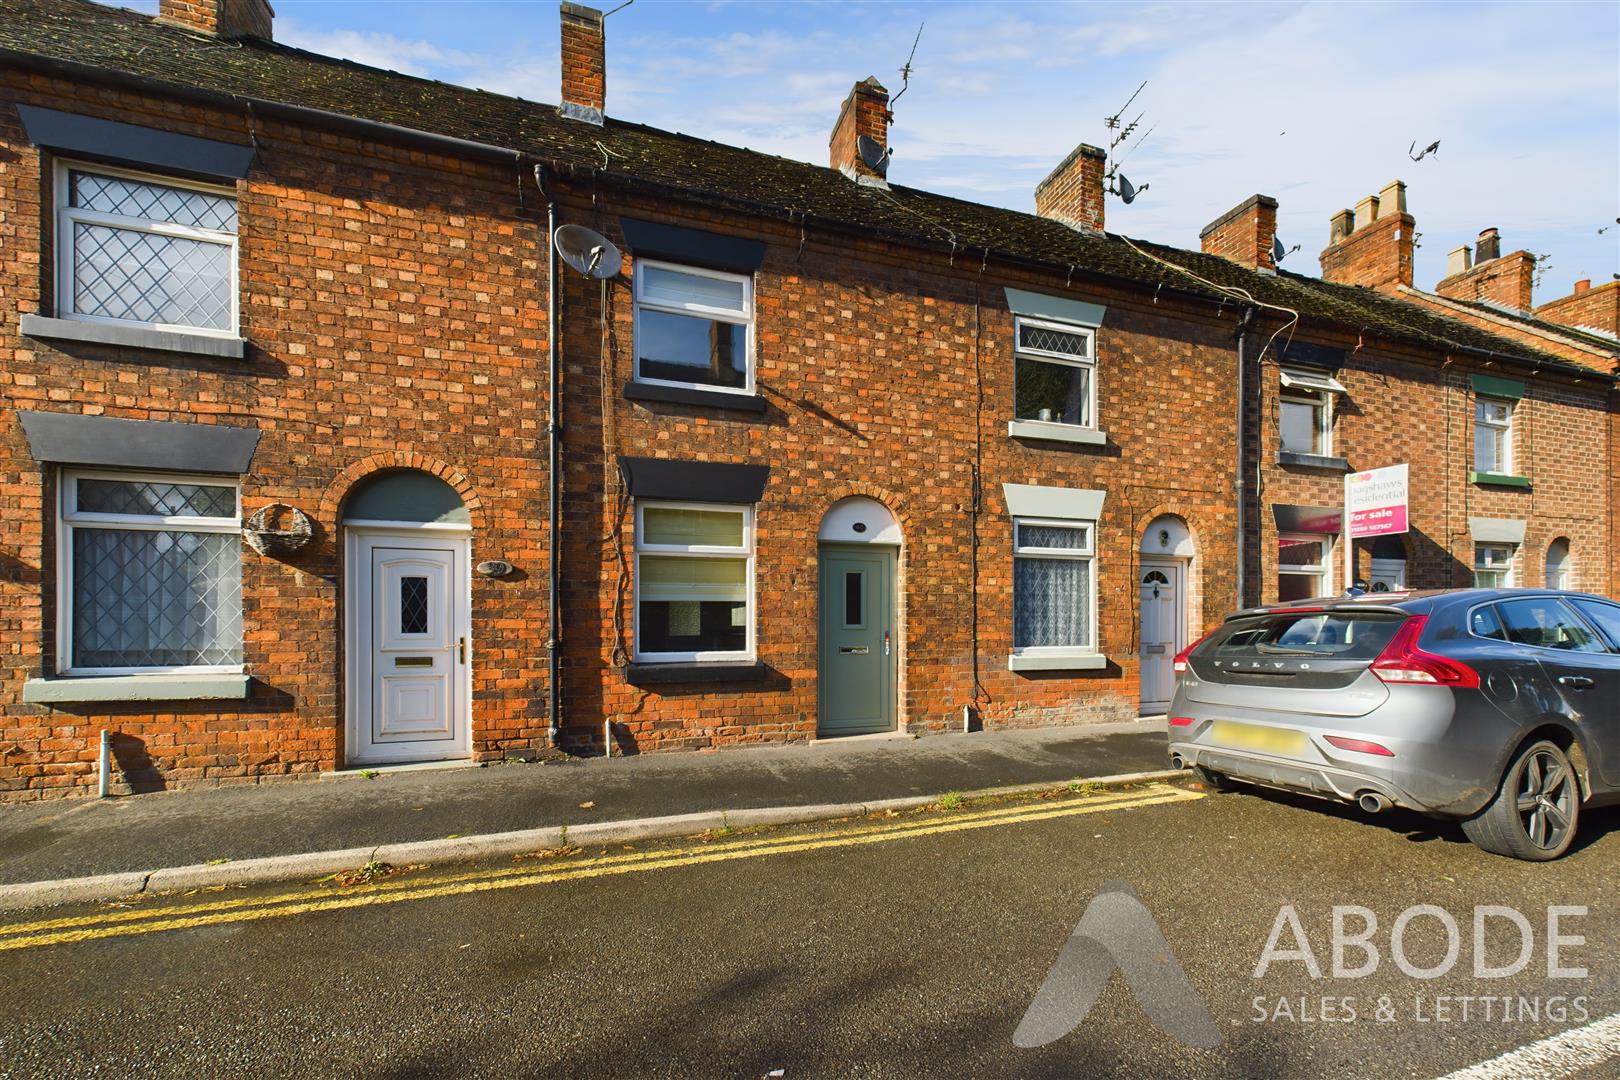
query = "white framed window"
{"x": 694, "y": 582}
{"x": 149, "y": 574}
{"x": 694, "y": 327}
{"x": 1304, "y": 566}
{"x": 1055, "y": 373}
{"x": 1493, "y": 435}
{"x": 1306, "y": 412}
{"x": 142, "y": 250}
{"x": 1493, "y": 565}
{"x": 1054, "y": 587}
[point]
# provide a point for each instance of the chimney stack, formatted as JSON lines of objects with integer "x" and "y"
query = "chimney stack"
{"x": 864, "y": 112}
{"x": 228, "y": 19}
{"x": 1493, "y": 277}
{"x": 1373, "y": 247}
{"x": 1582, "y": 285}
{"x": 1073, "y": 192}
{"x": 584, "y": 64}
{"x": 1245, "y": 233}
{"x": 1587, "y": 309}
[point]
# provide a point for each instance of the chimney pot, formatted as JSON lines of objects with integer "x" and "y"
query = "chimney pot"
{"x": 228, "y": 19}
{"x": 1073, "y": 192}
{"x": 1340, "y": 225}
{"x": 1366, "y": 211}
{"x": 1488, "y": 247}
{"x": 1392, "y": 200}
{"x": 1582, "y": 285}
{"x": 584, "y": 63}
{"x": 1459, "y": 260}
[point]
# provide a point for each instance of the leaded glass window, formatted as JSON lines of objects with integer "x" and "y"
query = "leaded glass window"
{"x": 1054, "y": 374}
{"x": 146, "y": 250}
{"x": 153, "y": 573}
{"x": 1054, "y": 601}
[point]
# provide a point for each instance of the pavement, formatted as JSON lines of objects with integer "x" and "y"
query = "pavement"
{"x": 907, "y": 946}
{"x": 260, "y": 832}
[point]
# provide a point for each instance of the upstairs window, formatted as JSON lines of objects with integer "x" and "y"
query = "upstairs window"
{"x": 1055, "y": 376}
{"x": 694, "y": 582}
{"x": 694, "y": 328}
{"x": 151, "y": 573}
{"x": 1493, "y": 436}
{"x": 1054, "y": 590}
{"x": 1306, "y": 417}
{"x": 148, "y": 251}
{"x": 1493, "y": 566}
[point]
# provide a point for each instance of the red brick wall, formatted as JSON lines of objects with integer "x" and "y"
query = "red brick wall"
{"x": 1377, "y": 255}
{"x": 584, "y": 57}
{"x": 1597, "y": 309}
{"x": 390, "y": 302}
{"x": 1245, "y": 233}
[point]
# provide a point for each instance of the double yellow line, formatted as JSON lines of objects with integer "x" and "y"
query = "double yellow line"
{"x": 110, "y": 924}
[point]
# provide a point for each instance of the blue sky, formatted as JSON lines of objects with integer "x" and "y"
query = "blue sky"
{"x": 1315, "y": 104}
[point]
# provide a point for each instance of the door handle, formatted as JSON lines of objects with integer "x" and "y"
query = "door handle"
{"x": 461, "y": 650}
{"x": 885, "y": 643}
{"x": 1575, "y": 682}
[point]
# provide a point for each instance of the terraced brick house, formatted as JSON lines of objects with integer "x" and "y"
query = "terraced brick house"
{"x": 317, "y": 453}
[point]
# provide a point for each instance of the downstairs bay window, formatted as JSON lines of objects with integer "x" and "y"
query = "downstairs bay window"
{"x": 150, "y": 574}
{"x": 694, "y": 579}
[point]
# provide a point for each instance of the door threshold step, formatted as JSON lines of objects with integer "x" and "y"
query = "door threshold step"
{"x": 362, "y": 772}
{"x": 832, "y": 740}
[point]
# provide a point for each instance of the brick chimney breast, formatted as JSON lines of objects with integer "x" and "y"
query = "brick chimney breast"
{"x": 1244, "y": 234}
{"x": 230, "y": 19}
{"x": 584, "y": 64}
{"x": 864, "y": 112}
{"x": 1372, "y": 248}
{"x": 1073, "y": 192}
{"x": 1494, "y": 278}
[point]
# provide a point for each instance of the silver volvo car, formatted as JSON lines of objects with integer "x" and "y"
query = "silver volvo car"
{"x": 1496, "y": 707}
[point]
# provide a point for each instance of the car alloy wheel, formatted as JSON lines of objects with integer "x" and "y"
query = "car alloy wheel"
{"x": 1546, "y": 796}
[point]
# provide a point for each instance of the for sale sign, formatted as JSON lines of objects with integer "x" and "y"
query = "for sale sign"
{"x": 1375, "y": 502}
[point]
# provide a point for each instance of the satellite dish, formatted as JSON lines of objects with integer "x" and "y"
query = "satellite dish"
{"x": 1127, "y": 190}
{"x": 875, "y": 156}
{"x": 1278, "y": 252}
{"x": 588, "y": 251}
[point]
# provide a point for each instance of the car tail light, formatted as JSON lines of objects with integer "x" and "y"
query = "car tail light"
{"x": 1360, "y": 746}
{"x": 1403, "y": 662}
{"x": 1179, "y": 664}
{"x": 1181, "y": 721}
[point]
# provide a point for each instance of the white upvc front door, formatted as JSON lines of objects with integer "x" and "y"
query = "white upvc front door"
{"x": 1163, "y": 632}
{"x": 409, "y": 660}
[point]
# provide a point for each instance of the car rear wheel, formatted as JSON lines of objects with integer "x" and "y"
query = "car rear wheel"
{"x": 1536, "y": 810}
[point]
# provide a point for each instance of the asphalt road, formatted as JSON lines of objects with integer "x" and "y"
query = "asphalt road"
{"x": 906, "y": 946}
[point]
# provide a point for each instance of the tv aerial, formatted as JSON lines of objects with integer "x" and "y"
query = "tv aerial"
{"x": 1126, "y": 190}
{"x": 1278, "y": 252}
{"x": 588, "y": 251}
{"x": 874, "y": 154}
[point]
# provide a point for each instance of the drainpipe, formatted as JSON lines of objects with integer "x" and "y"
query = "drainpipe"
{"x": 1242, "y": 447}
{"x": 553, "y": 467}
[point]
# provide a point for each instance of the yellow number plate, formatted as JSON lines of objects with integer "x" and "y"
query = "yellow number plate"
{"x": 1253, "y": 737}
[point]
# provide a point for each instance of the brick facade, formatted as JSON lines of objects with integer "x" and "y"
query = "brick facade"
{"x": 394, "y": 300}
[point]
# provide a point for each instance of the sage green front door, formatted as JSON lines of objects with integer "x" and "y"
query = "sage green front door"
{"x": 859, "y": 647}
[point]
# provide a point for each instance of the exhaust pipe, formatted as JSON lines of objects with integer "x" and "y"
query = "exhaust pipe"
{"x": 1372, "y": 802}
{"x": 1177, "y": 761}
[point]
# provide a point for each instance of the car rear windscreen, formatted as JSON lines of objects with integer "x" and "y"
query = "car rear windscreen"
{"x": 1324, "y": 635}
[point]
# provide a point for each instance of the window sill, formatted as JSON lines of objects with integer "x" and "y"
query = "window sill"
{"x": 1069, "y": 433}
{"x": 1498, "y": 479}
{"x": 178, "y": 687}
{"x": 683, "y": 395}
{"x": 744, "y": 671}
{"x": 1078, "y": 662}
{"x": 1312, "y": 461}
{"x": 134, "y": 337}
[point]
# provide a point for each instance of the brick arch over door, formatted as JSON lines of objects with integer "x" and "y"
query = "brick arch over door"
{"x": 349, "y": 480}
